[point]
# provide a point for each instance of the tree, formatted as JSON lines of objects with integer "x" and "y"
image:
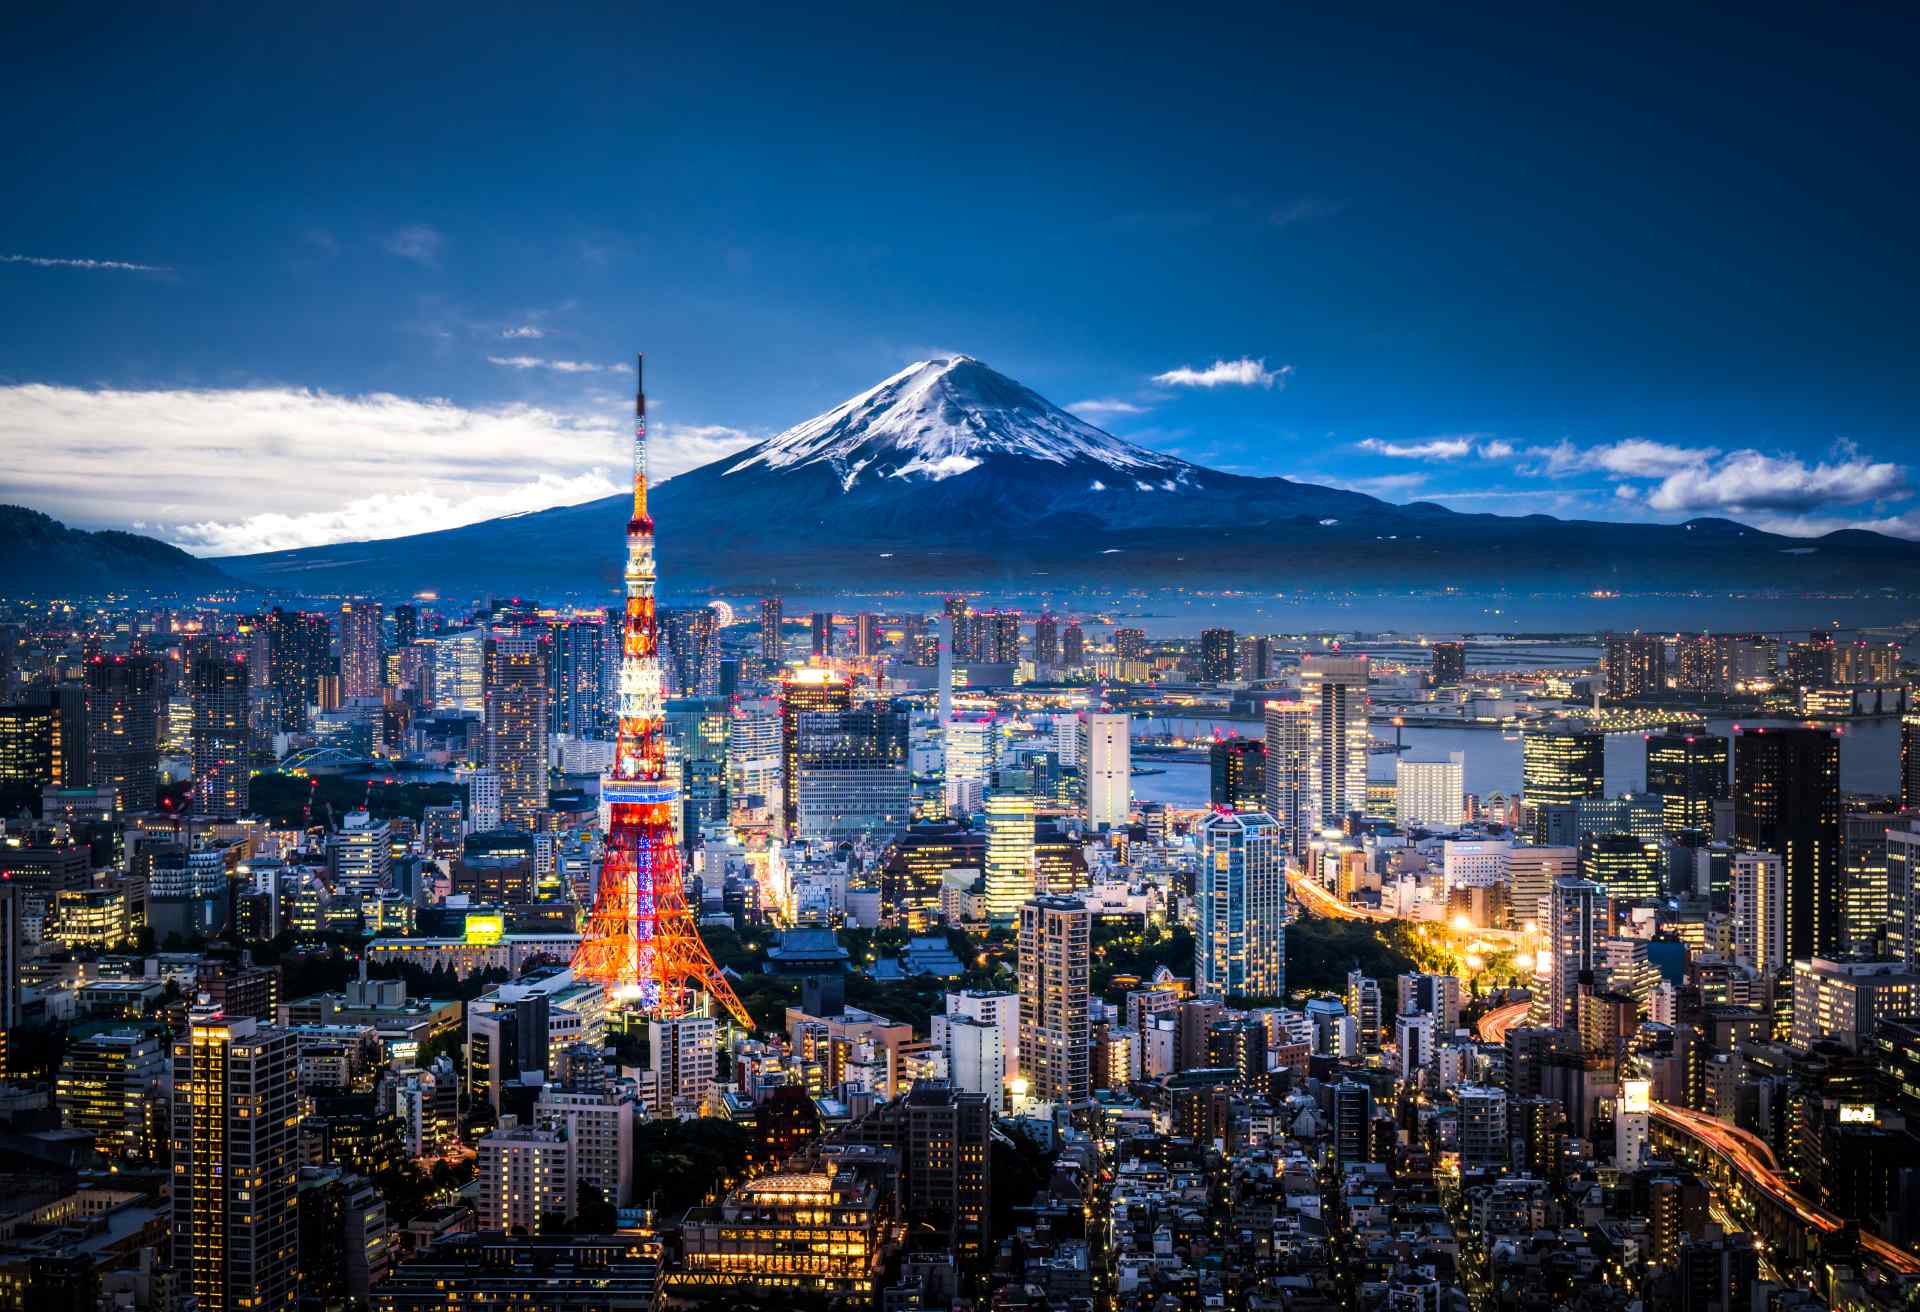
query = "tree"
{"x": 593, "y": 1214}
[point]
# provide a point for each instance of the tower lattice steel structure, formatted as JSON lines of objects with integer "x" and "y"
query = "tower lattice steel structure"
{"x": 640, "y": 940}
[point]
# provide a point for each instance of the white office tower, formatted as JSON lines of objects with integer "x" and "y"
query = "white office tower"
{"x": 1289, "y": 751}
{"x": 1577, "y": 924}
{"x": 362, "y": 855}
{"x": 1010, "y": 857}
{"x": 682, "y": 1064}
{"x": 598, "y": 1126}
{"x": 1109, "y": 770}
{"x": 526, "y": 1177}
{"x": 1483, "y": 1127}
{"x": 976, "y": 1052}
{"x": 1531, "y": 874}
{"x": 1067, "y": 738}
{"x": 1240, "y": 942}
{"x": 483, "y": 797}
{"x": 969, "y": 746}
{"x": 459, "y": 670}
{"x": 1413, "y": 1042}
{"x": 1431, "y": 794}
{"x": 1760, "y": 911}
{"x": 1335, "y": 690}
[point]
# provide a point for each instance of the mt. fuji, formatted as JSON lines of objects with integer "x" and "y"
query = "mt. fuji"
{"x": 949, "y": 474}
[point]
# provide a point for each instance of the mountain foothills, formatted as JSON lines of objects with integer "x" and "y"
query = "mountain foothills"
{"x": 949, "y": 473}
{"x": 41, "y": 556}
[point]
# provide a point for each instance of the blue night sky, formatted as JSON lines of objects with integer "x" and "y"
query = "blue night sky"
{"x": 1643, "y": 264}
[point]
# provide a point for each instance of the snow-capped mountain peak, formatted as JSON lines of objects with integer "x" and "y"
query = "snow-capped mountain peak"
{"x": 939, "y": 418}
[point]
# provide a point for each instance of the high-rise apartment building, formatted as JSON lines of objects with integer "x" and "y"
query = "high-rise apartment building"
{"x": 123, "y": 709}
{"x": 362, "y": 633}
{"x": 1289, "y": 744}
{"x": 1760, "y": 911}
{"x": 1634, "y": 664}
{"x": 1903, "y": 897}
{"x": 690, "y": 650}
{"x": 298, "y": 656}
{"x": 1447, "y": 664}
{"x": 1689, "y": 773}
{"x": 526, "y": 1178}
{"x": 1430, "y": 794}
{"x": 681, "y": 1063}
{"x": 218, "y": 686}
{"x": 1130, "y": 644}
{"x": 1073, "y": 645}
{"x": 1335, "y": 691}
{"x": 1109, "y": 770}
{"x": 822, "y": 635}
{"x": 866, "y": 635}
{"x": 1046, "y": 641}
{"x": 1240, "y": 941}
{"x": 236, "y": 1164}
{"x": 582, "y": 669}
{"x": 1786, "y": 799}
{"x": 517, "y": 725}
{"x": 1579, "y": 920}
{"x": 1237, "y": 773}
{"x": 1055, "y": 996}
{"x": 1217, "y": 652}
{"x": 773, "y": 638}
{"x": 1910, "y": 760}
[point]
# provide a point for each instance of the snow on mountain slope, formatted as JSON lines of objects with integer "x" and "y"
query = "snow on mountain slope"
{"x": 940, "y": 418}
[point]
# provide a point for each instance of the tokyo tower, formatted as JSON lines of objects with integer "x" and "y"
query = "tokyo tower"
{"x": 640, "y": 940}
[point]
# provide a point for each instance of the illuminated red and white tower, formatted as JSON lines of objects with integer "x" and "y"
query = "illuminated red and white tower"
{"x": 640, "y": 940}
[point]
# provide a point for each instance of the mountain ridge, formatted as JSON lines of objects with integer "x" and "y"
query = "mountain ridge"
{"x": 948, "y": 473}
{"x": 40, "y": 556}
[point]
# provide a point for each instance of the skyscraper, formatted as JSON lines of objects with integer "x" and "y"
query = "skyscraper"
{"x": 1578, "y": 922}
{"x": 808, "y": 690}
{"x": 1237, "y": 773}
{"x": 361, "y": 633}
{"x": 123, "y": 706}
{"x": 406, "y": 625}
{"x": 1430, "y": 794}
{"x": 1240, "y": 942}
{"x": 1055, "y": 995}
{"x": 1335, "y": 691}
{"x": 1109, "y": 770}
{"x": 1073, "y": 645}
{"x": 1010, "y": 873}
{"x": 1217, "y": 655}
{"x": 1289, "y": 744}
{"x": 30, "y": 755}
{"x": 218, "y": 686}
{"x": 1910, "y": 760}
{"x": 1046, "y": 641}
{"x": 297, "y": 658}
{"x": 822, "y": 635}
{"x": 866, "y": 635}
{"x": 851, "y": 777}
{"x": 1786, "y": 799}
{"x": 1447, "y": 664}
{"x": 772, "y": 636}
{"x": 235, "y": 1163}
{"x": 1903, "y": 897}
{"x": 580, "y": 684}
{"x": 1558, "y": 767}
{"x": 517, "y": 724}
{"x": 1689, "y": 773}
{"x": 691, "y": 638}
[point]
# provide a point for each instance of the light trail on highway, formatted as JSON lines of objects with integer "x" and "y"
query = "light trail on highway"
{"x": 1493, "y": 1026}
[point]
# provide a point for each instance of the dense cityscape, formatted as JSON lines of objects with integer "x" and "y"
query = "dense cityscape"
{"x": 413, "y": 953}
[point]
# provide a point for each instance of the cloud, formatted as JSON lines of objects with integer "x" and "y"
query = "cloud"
{"x": 524, "y": 330}
{"x": 1496, "y": 450}
{"x": 1633, "y": 458}
{"x": 418, "y": 243}
{"x": 1384, "y": 485}
{"x": 118, "y": 266}
{"x": 1304, "y": 209}
{"x": 1752, "y": 480}
{"x": 332, "y": 467}
{"x": 1906, "y": 525}
{"x": 1440, "y": 448}
{"x": 1102, "y": 407}
{"x": 558, "y": 366}
{"x": 1244, "y": 372}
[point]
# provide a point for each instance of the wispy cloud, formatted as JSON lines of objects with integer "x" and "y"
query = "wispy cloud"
{"x": 1440, "y": 448}
{"x": 1304, "y": 209}
{"x": 1383, "y": 485}
{"x": 417, "y": 242}
{"x": 557, "y": 366}
{"x": 1633, "y": 458}
{"x": 1752, "y": 480}
{"x": 1244, "y": 372}
{"x": 1105, "y": 407}
{"x": 95, "y": 452}
{"x": 523, "y": 330}
{"x": 115, "y": 266}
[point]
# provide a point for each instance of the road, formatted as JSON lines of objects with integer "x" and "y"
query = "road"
{"x": 1494, "y": 1025}
{"x": 1754, "y": 1159}
{"x": 1314, "y": 896}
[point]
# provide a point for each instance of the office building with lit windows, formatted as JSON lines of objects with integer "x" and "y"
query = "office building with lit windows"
{"x": 30, "y": 750}
{"x": 1289, "y": 745}
{"x": 110, "y": 1084}
{"x": 236, "y": 1242}
{"x": 851, "y": 777}
{"x": 361, "y": 637}
{"x": 1055, "y": 996}
{"x": 812, "y": 690}
{"x": 1237, "y": 773}
{"x": 516, "y": 719}
{"x": 821, "y": 1230}
{"x": 1559, "y": 767}
{"x": 123, "y": 707}
{"x": 1109, "y": 770}
{"x": 218, "y": 688}
{"x": 1786, "y": 798}
{"x": 1335, "y": 691}
{"x": 1689, "y": 773}
{"x": 1010, "y": 868}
